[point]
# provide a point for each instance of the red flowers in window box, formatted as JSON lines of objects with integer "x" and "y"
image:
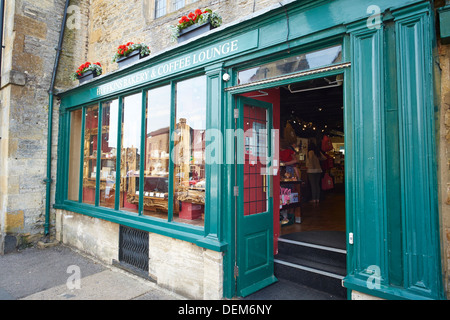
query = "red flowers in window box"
{"x": 198, "y": 17}
{"x": 125, "y": 49}
{"x": 95, "y": 68}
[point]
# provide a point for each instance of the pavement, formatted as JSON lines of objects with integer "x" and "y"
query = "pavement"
{"x": 61, "y": 273}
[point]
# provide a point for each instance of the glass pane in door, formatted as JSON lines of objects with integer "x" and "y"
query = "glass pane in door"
{"x": 256, "y": 190}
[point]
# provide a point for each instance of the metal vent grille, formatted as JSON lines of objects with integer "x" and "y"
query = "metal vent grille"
{"x": 134, "y": 247}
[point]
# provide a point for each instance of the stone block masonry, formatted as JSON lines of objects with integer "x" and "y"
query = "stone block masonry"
{"x": 31, "y": 34}
{"x": 444, "y": 59}
{"x": 113, "y": 23}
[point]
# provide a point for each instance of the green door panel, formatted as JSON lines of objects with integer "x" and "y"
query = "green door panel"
{"x": 255, "y": 204}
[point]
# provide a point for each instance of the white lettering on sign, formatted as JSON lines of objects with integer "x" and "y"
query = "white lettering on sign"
{"x": 124, "y": 83}
{"x": 195, "y": 59}
{"x": 173, "y": 66}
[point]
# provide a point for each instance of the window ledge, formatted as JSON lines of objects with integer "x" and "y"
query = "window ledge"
{"x": 169, "y": 229}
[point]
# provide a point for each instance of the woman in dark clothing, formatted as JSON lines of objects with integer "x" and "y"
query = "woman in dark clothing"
{"x": 314, "y": 171}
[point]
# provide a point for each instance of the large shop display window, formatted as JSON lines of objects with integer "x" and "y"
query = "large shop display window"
{"x": 155, "y": 171}
{"x": 108, "y": 161}
{"x": 189, "y": 150}
{"x": 90, "y": 154}
{"x": 157, "y": 147}
{"x": 74, "y": 155}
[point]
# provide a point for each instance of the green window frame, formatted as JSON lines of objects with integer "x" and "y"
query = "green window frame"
{"x": 204, "y": 236}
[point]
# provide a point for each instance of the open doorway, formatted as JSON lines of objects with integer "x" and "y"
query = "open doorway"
{"x": 312, "y": 124}
{"x": 310, "y": 223}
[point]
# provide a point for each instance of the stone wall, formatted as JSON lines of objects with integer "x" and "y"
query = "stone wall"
{"x": 444, "y": 157}
{"x": 31, "y": 35}
{"x": 113, "y": 23}
{"x": 185, "y": 268}
{"x": 95, "y": 237}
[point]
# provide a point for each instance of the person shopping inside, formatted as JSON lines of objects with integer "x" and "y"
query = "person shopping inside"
{"x": 314, "y": 171}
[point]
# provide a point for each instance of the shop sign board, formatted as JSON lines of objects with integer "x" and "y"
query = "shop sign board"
{"x": 212, "y": 53}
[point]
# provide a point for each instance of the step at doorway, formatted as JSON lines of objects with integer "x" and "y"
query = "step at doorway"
{"x": 314, "y": 259}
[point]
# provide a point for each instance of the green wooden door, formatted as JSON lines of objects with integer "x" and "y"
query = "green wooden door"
{"x": 254, "y": 219}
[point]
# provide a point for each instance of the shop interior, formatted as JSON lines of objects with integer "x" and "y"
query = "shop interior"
{"x": 312, "y": 114}
{"x": 309, "y": 114}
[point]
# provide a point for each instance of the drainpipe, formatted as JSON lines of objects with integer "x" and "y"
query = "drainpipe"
{"x": 2, "y": 22}
{"x": 48, "y": 180}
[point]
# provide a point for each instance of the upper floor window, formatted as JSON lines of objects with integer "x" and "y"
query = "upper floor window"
{"x": 160, "y": 8}
{"x": 163, "y": 7}
{"x": 178, "y": 4}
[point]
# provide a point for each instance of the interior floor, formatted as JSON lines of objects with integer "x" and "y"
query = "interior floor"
{"x": 327, "y": 215}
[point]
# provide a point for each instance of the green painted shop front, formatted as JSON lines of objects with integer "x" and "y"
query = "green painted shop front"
{"x": 392, "y": 216}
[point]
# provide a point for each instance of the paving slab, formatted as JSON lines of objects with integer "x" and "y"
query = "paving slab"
{"x": 106, "y": 285}
{"x": 61, "y": 273}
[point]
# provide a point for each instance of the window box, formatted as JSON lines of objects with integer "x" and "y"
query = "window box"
{"x": 133, "y": 57}
{"x": 193, "y": 31}
{"x": 87, "y": 76}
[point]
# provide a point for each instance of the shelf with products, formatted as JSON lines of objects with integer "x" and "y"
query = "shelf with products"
{"x": 291, "y": 183}
{"x": 155, "y": 193}
{"x": 107, "y": 161}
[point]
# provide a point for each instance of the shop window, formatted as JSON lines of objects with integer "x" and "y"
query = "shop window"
{"x": 75, "y": 155}
{"x": 298, "y": 63}
{"x": 110, "y": 111}
{"x": 157, "y": 143}
{"x": 130, "y": 152}
{"x": 157, "y": 171}
{"x": 189, "y": 151}
{"x": 90, "y": 154}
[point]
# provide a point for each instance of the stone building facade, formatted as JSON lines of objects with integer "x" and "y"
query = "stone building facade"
{"x": 443, "y": 56}
{"x": 95, "y": 28}
{"x": 93, "y": 32}
{"x": 31, "y": 32}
